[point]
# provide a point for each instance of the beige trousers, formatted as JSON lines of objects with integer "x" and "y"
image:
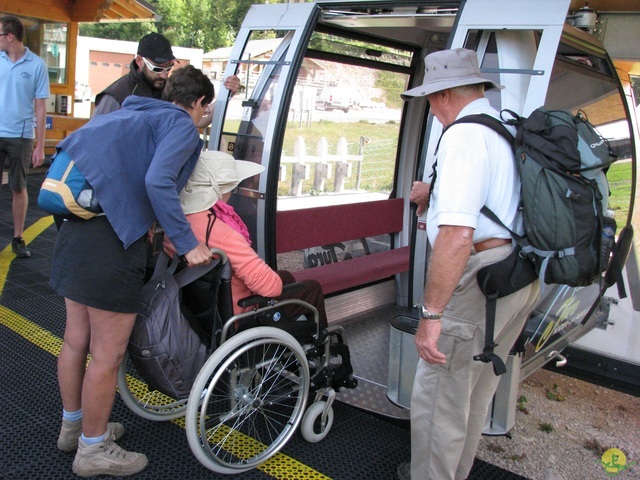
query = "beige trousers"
{"x": 449, "y": 402}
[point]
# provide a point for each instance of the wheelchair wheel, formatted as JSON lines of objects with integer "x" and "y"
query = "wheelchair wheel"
{"x": 313, "y": 428}
{"x": 149, "y": 404}
{"x": 247, "y": 400}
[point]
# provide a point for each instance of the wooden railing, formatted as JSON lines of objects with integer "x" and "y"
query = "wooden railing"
{"x": 58, "y": 127}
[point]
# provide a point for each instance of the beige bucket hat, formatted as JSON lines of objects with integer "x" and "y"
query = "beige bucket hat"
{"x": 447, "y": 69}
{"x": 215, "y": 174}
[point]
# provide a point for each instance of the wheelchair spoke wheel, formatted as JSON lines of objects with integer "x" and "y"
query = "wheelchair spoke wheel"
{"x": 253, "y": 392}
{"x": 147, "y": 403}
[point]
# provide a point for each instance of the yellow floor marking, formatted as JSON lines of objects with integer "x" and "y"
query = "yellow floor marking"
{"x": 280, "y": 466}
{"x": 30, "y": 331}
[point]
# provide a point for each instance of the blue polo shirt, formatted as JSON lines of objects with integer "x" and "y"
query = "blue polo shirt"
{"x": 20, "y": 83}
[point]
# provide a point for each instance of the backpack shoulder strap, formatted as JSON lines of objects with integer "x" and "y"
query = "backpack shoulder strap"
{"x": 482, "y": 119}
{"x": 498, "y": 127}
{"x": 488, "y": 121}
{"x": 164, "y": 265}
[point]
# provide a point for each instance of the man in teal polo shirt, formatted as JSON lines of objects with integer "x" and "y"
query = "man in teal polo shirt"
{"x": 24, "y": 89}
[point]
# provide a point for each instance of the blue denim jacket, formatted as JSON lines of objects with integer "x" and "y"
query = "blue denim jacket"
{"x": 137, "y": 159}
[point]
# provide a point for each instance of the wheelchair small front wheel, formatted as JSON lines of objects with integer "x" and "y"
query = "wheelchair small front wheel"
{"x": 313, "y": 428}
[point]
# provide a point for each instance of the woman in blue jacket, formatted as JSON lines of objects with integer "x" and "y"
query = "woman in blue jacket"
{"x": 137, "y": 160}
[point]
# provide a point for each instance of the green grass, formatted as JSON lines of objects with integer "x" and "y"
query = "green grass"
{"x": 546, "y": 427}
{"x": 378, "y": 141}
{"x": 393, "y": 85}
{"x": 332, "y": 131}
{"x": 619, "y": 177}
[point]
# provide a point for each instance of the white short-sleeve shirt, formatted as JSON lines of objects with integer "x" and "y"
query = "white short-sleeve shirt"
{"x": 475, "y": 167}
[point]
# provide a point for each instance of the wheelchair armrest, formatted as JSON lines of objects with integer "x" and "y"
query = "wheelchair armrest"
{"x": 260, "y": 300}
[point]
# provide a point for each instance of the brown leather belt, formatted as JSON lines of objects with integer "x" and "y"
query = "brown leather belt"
{"x": 490, "y": 243}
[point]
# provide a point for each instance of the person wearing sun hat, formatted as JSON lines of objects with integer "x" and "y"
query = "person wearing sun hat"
{"x": 215, "y": 223}
{"x": 474, "y": 167}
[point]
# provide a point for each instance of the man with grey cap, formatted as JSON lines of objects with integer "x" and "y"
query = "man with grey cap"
{"x": 474, "y": 167}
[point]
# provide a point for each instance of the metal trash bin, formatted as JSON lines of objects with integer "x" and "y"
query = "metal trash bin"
{"x": 403, "y": 359}
{"x": 501, "y": 417}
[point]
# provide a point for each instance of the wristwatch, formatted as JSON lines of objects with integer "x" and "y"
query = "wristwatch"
{"x": 427, "y": 315}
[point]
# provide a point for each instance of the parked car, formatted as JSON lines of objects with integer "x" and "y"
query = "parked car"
{"x": 332, "y": 98}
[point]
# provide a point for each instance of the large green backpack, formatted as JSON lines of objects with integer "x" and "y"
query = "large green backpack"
{"x": 561, "y": 158}
{"x": 568, "y": 232}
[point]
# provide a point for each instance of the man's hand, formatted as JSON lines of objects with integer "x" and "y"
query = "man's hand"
{"x": 427, "y": 341}
{"x": 201, "y": 255}
{"x": 37, "y": 158}
{"x": 420, "y": 196}
{"x": 232, "y": 83}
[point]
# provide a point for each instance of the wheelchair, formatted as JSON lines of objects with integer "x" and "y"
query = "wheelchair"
{"x": 261, "y": 373}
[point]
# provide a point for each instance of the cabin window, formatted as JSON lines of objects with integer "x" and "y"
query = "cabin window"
{"x": 245, "y": 136}
{"x": 244, "y": 131}
{"x": 341, "y": 138}
{"x": 48, "y": 40}
{"x": 53, "y": 50}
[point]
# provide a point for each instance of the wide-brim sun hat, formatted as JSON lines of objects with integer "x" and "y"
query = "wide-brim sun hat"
{"x": 215, "y": 174}
{"x": 448, "y": 69}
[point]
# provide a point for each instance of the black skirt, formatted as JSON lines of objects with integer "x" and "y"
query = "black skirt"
{"x": 91, "y": 266}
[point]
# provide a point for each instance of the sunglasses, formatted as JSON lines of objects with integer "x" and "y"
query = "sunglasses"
{"x": 155, "y": 68}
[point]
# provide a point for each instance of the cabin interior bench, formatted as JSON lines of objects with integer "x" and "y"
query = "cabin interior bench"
{"x": 299, "y": 229}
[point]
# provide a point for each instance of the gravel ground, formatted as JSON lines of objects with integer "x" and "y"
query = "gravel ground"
{"x": 564, "y": 429}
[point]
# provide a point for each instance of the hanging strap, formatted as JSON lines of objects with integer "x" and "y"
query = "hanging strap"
{"x": 495, "y": 281}
{"x": 167, "y": 266}
{"x": 504, "y": 277}
{"x": 483, "y": 278}
{"x": 487, "y": 354}
{"x": 189, "y": 274}
{"x": 614, "y": 272}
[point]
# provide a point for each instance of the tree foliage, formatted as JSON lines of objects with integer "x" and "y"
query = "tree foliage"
{"x": 635, "y": 84}
{"x": 206, "y": 24}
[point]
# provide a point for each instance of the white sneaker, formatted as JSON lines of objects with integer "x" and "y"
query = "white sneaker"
{"x": 107, "y": 458}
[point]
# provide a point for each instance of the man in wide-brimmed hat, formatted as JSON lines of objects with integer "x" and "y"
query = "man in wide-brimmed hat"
{"x": 474, "y": 167}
